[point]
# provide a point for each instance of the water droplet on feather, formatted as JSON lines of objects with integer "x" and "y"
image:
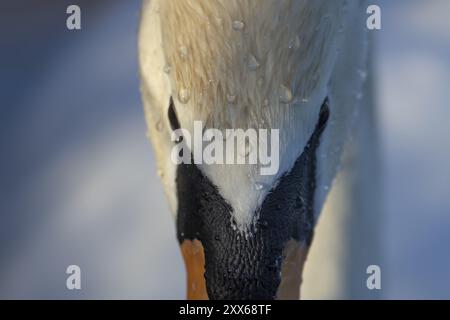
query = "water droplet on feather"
{"x": 184, "y": 95}
{"x": 238, "y": 25}
{"x": 285, "y": 94}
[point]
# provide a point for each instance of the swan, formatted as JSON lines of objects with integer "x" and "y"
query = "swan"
{"x": 296, "y": 66}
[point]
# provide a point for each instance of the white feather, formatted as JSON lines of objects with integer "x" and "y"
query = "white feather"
{"x": 250, "y": 49}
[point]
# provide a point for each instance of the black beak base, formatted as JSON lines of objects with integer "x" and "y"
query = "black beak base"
{"x": 247, "y": 265}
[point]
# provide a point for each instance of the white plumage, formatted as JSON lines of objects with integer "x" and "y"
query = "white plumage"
{"x": 278, "y": 60}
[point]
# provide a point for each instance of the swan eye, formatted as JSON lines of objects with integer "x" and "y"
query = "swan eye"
{"x": 173, "y": 120}
{"x": 324, "y": 115}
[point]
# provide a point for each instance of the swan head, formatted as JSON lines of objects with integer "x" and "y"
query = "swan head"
{"x": 262, "y": 67}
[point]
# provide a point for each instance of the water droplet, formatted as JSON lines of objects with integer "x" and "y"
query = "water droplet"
{"x": 231, "y": 98}
{"x": 263, "y": 123}
{"x": 183, "y": 52}
{"x": 258, "y": 186}
{"x": 238, "y": 25}
{"x": 159, "y": 125}
{"x": 252, "y": 64}
{"x": 217, "y": 237}
{"x": 184, "y": 95}
{"x": 285, "y": 95}
{"x": 291, "y": 44}
{"x": 305, "y": 100}
{"x": 167, "y": 68}
{"x": 359, "y": 96}
{"x": 294, "y": 43}
{"x": 362, "y": 73}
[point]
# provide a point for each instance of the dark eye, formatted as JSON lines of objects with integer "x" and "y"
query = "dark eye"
{"x": 173, "y": 120}
{"x": 323, "y": 115}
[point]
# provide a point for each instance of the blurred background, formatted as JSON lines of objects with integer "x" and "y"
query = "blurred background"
{"x": 78, "y": 183}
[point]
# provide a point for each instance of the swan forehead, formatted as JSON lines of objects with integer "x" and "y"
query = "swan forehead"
{"x": 230, "y": 58}
{"x": 251, "y": 64}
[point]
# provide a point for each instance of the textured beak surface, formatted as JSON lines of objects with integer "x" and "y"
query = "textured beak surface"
{"x": 266, "y": 259}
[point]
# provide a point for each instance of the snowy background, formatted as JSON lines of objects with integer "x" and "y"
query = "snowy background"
{"x": 77, "y": 176}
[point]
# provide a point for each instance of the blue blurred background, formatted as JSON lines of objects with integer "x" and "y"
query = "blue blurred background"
{"x": 78, "y": 183}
